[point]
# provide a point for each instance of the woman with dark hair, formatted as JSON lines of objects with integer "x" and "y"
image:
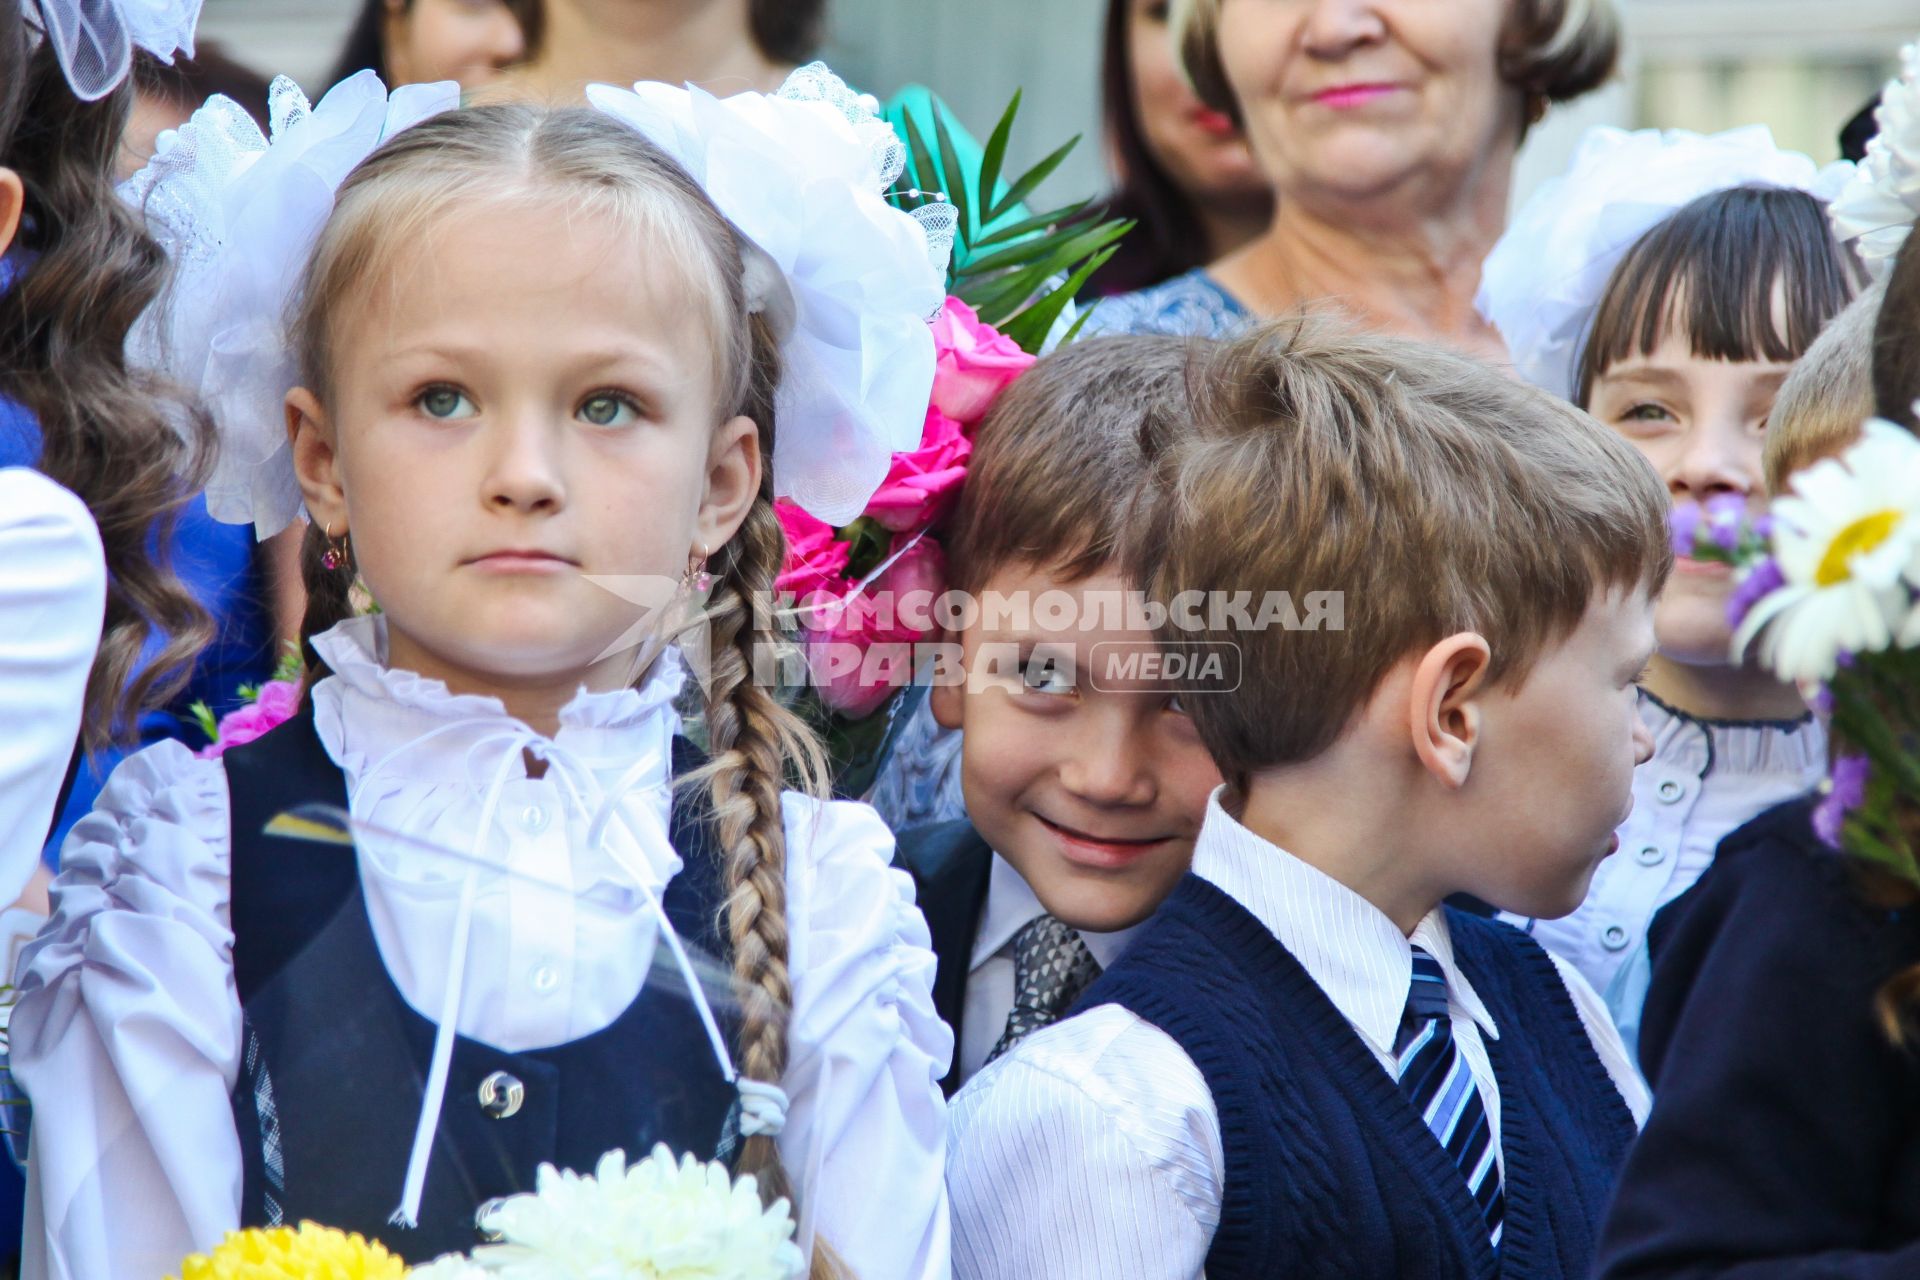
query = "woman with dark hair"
{"x": 1185, "y": 175}
{"x": 421, "y": 41}
{"x": 726, "y": 46}
{"x": 1388, "y": 130}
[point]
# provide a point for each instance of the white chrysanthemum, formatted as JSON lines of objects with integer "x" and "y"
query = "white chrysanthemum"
{"x": 653, "y": 1221}
{"x": 1847, "y": 541}
{"x": 450, "y": 1267}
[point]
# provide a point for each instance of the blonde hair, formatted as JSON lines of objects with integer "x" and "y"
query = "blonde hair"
{"x": 469, "y": 158}
{"x": 1827, "y": 396}
{"x": 1550, "y": 50}
{"x": 1434, "y": 493}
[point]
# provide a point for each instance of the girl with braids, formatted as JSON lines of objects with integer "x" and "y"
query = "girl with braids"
{"x": 539, "y": 374}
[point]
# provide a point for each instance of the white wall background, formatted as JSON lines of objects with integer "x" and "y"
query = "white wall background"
{"x": 1801, "y": 66}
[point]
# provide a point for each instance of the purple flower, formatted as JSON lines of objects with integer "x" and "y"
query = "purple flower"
{"x": 1726, "y": 514}
{"x": 1821, "y": 700}
{"x": 1684, "y": 520}
{"x": 1846, "y": 791}
{"x": 1762, "y": 581}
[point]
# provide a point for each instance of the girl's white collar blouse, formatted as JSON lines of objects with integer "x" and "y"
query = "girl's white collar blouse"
{"x": 127, "y": 1032}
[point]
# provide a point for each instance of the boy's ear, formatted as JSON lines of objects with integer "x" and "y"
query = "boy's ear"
{"x": 13, "y": 198}
{"x": 315, "y": 461}
{"x": 733, "y": 482}
{"x": 948, "y": 698}
{"x": 1444, "y": 705}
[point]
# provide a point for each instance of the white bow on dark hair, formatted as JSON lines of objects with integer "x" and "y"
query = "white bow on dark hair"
{"x": 95, "y": 39}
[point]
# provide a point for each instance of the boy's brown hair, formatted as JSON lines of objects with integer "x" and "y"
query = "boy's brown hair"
{"x": 1061, "y": 452}
{"x": 1829, "y": 394}
{"x": 1435, "y": 493}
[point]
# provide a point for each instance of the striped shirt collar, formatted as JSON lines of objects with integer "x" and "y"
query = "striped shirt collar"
{"x": 1348, "y": 946}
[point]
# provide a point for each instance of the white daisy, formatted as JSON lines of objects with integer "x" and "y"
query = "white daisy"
{"x": 1848, "y": 544}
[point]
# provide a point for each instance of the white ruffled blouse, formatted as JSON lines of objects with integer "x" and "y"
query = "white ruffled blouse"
{"x": 127, "y": 1035}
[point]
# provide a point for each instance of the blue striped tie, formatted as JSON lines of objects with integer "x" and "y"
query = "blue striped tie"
{"x": 1437, "y": 1081}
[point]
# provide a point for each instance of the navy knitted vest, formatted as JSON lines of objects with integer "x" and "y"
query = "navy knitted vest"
{"x": 335, "y": 1061}
{"x": 1329, "y": 1171}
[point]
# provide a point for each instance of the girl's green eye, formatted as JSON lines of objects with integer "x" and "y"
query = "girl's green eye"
{"x": 445, "y": 403}
{"x": 609, "y": 411}
{"x": 1647, "y": 413}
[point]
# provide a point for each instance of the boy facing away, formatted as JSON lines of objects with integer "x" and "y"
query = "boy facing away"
{"x": 1084, "y": 779}
{"x": 1305, "y": 1064}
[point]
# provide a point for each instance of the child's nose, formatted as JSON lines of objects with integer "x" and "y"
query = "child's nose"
{"x": 1642, "y": 741}
{"x": 506, "y": 42}
{"x": 1107, "y": 768}
{"x": 523, "y": 473}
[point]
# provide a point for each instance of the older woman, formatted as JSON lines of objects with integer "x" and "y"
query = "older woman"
{"x": 418, "y": 41}
{"x": 1388, "y": 129}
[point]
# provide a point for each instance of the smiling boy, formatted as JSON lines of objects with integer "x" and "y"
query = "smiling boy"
{"x": 1084, "y": 779}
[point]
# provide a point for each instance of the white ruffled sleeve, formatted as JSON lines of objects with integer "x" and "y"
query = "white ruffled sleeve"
{"x": 866, "y": 1136}
{"x": 53, "y": 592}
{"x": 127, "y": 1034}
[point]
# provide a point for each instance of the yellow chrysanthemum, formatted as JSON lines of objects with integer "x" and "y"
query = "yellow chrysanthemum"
{"x": 310, "y": 1252}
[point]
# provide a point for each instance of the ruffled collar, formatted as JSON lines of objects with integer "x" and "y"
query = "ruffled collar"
{"x": 356, "y": 652}
{"x": 366, "y": 709}
{"x": 1748, "y": 747}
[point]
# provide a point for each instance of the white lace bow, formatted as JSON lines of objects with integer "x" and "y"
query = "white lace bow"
{"x": 94, "y": 39}
{"x": 1543, "y": 281}
{"x": 848, "y": 280}
{"x": 239, "y": 212}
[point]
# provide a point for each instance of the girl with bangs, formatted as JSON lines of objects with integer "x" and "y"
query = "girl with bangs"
{"x": 1680, "y": 343}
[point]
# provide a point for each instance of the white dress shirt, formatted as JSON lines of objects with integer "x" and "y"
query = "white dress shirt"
{"x": 127, "y": 1034}
{"x": 1092, "y": 1149}
{"x": 1705, "y": 779}
{"x": 53, "y": 598}
{"x": 1010, "y": 906}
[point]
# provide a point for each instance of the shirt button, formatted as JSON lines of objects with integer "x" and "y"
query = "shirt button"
{"x": 534, "y": 819}
{"x": 501, "y": 1095}
{"x": 1671, "y": 791}
{"x": 1651, "y": 855}
{"x": 1613, "y": 938}
{"x": 545, "y": 979}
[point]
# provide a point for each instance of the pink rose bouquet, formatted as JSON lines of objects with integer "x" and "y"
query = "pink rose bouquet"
{"x": 264, "y": 707}
{"x": 871, "y": 583}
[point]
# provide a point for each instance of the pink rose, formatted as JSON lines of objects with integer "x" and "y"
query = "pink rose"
{"x": 816, "y": 560}
{"x": 973, "y": 363}
{"x": 277, "y": 702}
{"x": 922, "y": 486}
{"x": 862, "y": 652}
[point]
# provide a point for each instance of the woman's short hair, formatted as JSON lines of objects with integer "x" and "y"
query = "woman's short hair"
{"x": 1550, "y": 50}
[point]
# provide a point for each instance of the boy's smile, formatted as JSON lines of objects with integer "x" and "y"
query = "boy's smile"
{"x": 1093, "y": 789}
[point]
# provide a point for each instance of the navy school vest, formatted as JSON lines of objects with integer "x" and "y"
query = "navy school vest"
{"x": 335, "y": 1061}
{"x": 1330, "y": 1174}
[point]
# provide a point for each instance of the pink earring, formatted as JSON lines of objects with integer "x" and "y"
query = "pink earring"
{"x": 336, "y": 553}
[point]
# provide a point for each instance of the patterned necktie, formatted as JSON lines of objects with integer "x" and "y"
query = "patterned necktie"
{"x": 1436, "y": 1079}
{"x": 1051, "y": 967}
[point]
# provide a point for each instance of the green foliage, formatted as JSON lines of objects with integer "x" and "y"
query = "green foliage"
{"x": 1017, "y": 268}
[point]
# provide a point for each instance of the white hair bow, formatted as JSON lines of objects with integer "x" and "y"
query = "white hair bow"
{"x": 1543, "y": 281}
{"x": 848, "y": 279}
{"x": 95, "y": 39}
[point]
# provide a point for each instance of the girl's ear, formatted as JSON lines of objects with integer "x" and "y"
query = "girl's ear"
{"x": 1444, "y": 706}
{"x": 315, "y": 461}
{"x": 733, "y": 482}
{"x": 13, "y": 197}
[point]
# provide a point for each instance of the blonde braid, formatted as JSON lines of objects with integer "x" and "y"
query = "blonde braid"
{"x": 757, "y": 745}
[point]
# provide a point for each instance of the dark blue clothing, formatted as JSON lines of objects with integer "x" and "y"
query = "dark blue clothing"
{"x": 335, "y": 1060}
{"x": 217, "y": 563}
{"x": 1329, "y": 1171}
{"x": 1785, "y": 1134}
{"x": 951, "y": 867}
